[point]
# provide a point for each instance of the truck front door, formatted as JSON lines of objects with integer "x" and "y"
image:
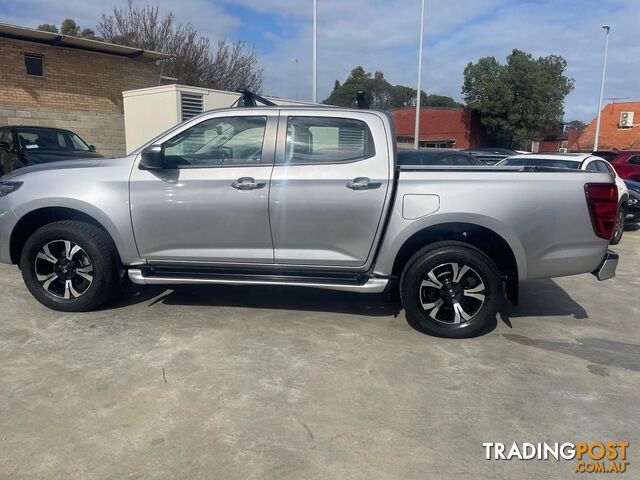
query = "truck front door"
{"x": 211, "y": 201}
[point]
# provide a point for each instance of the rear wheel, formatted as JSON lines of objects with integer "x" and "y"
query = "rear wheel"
{"x": 618, "y": 230}
{"x": 69, "y": 266}
{"x": 451, "y": 289}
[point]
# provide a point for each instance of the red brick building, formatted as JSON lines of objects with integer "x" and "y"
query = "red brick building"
{"x": 619, "y": 128}
{"x": 440, "y": 127}
{"x": 53, "y": 80}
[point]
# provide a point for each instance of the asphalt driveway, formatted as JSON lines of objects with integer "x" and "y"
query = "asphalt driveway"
{"x": 238, "y": 383}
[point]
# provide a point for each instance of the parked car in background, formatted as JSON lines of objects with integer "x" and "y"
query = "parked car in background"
{"x": 227, "y": 197}
{"x": 633, "y": 207}
{"x": 626, "y": 162}
{"x": 490, "y": 156}
{"x": 21, "y": 146}
{"x": 577, "y": 161}
{"x": 437, "y": 156}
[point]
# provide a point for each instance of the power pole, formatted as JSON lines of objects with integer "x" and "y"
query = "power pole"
{"x": 314, "y": 88}
{"x": 604, "y": 69}
{"x": 416, "y": 142}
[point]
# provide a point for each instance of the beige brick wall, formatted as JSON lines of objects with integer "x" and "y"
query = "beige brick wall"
{"x": 105, "y": 130}
{"x": 80, "y": 91}
{"x": 73, "y": 79}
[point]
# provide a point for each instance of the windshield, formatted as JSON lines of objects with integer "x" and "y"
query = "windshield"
{"x": 539, "y": 162}
{"x": 51, "y": 140}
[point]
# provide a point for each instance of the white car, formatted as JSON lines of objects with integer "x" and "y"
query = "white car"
{"x": 578, "y": 161}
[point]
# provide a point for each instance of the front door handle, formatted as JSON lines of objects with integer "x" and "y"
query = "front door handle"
{"x": 363, "y": 183}
{"x": 248, "y": 183}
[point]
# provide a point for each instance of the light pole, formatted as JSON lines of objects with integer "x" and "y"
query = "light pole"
{"x": 314, "y": 82}
{"x": 604, "y": 69}
{"x": 416, "y": 142}
{"x": 296, "y": 61}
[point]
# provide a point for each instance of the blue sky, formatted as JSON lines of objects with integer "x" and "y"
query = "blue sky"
{"x": 383, "y": 34}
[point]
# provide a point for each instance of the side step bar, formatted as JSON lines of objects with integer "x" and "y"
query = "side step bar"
{"x": 368, "y": 285}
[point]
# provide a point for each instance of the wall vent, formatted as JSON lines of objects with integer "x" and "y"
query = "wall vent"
{"x": 191, "y": 104}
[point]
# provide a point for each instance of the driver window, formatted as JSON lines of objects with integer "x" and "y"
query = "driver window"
{"x": 233, "y": 141}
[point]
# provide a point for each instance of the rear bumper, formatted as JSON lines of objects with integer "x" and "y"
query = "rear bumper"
{"x": 607, "y": 268}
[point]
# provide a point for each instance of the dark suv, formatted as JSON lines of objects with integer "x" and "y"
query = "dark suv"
{"x": 22, "y": 146}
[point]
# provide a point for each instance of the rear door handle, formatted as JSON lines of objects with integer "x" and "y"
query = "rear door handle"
{"x": 248, "y": 183}
{"x": 363, "y": 183}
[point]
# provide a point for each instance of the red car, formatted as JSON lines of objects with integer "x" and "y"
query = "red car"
{"x": 626, "y": 162}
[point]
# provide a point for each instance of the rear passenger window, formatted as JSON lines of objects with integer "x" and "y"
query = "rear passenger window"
{"x": 592, "y": 167}
{"x": 634, "y": 160}
{"x": 313, "y": 140}
{"x": 602, "y": 167}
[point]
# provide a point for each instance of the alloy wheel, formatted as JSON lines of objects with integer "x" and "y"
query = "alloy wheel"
{"x": 452, "y": 293}
{"x": 619, "y": 227}
{"x": 64, "y": 269}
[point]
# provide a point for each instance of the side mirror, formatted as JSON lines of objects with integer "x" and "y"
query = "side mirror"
{"x": 92, "y": 148}
{"x": 152, "y": 158}
{"x": 4, "y": 146}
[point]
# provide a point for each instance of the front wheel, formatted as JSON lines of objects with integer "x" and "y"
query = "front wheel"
{"x": 450, "y": 289}
{"x": 69, "y": 266}
{"x": 618, "y": 230}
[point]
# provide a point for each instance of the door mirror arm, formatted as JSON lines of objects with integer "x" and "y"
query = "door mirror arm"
{"x": 152, "y": 158}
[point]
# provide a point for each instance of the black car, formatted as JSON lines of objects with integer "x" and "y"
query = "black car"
{"x": 490, "y": 156}
{"x": 436, "y": 156}
{"x": 633, "y": 207}
{"x": 22, "y": 146}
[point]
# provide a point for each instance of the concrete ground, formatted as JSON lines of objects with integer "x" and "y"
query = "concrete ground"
{"x": 260, "y": 383}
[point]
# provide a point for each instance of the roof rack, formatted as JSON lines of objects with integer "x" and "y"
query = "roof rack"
{"x": 250, "y": 99}
{"x": 361, "y": 100}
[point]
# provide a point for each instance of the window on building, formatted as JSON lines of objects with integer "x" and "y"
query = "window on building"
{"x": 34, "y": 64}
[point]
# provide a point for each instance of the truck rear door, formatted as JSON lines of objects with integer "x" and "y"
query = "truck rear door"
{"x": 329, "y": 187}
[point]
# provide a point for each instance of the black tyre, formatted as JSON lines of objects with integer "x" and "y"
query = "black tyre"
{"x": 451, "y": 289}
{"x": 618, "y": 229}
{"x": 70, "y": 266}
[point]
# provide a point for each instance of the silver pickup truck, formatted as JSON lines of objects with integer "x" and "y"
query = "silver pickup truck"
{"x": 306, "y": 197}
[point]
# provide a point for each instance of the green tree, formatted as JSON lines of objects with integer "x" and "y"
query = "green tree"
{"x": 71, "y": 28}
{"x": 519, "y": 101}
{"x": 576, "y": 124}
{"x": 48, "y": 27}
{"x": 381, "y": 94}
{"x": 438, "y": 101}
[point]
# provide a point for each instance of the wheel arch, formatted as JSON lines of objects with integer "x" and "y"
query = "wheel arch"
{"x": 624, "y": 201}
{"x": 483, "y": 238}
{"x": 31, "y": 221}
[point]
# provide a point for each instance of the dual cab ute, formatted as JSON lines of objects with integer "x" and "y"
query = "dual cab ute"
{"x": 307, "y": 197}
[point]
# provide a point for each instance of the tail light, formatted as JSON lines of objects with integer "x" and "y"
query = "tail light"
{"x": 602, "y": 199}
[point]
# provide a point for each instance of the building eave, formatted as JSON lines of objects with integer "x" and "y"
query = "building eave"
{"x": 59, "y": 40}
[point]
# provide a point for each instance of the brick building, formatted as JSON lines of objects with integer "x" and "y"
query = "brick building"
{"x": 440, "y": 127}
{"x": 619, "y": 128}
{"x": 54, "y": 80}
